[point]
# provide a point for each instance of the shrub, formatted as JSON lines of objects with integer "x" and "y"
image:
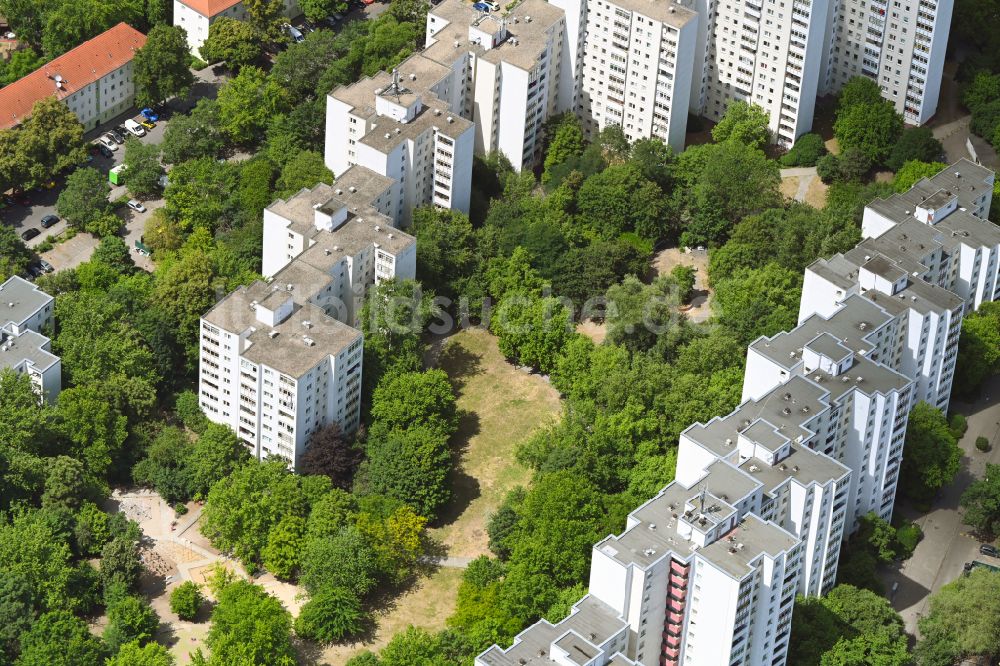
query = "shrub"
{"x": 332, "y": 615}
{"x": 982, "y": 443}
{"x": 808, "y": 149}
{"x": 186, "y": 600}
{"x": 828, "y": 168}
{"x": 180, "y": 508}
{"x": 908, "y": 535}
{"x": 958, "y": 425}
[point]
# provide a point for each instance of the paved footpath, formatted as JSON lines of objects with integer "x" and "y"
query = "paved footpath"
{"x": 947, "y": 543}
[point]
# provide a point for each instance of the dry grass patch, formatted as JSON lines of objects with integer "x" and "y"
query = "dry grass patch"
{"x": 426, "y": 605}
{"x": 816, "y": 193}
{"x": 789, "y": 186}
{"x": 501, "y": 406}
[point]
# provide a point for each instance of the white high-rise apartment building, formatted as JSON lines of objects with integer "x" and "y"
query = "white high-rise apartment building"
{"x": 637, "y": 68}
{"x": 401, "y": 126}
{"x": 899, "y": 44}
{"x": 334, "y": 241}
{"x": 512, "y": 72}
{"x": 928, "y": 256}
{"x": 706, "y": 571}
{"x": 277, "y": 361}
{"x": 25, "y": 312}
{"x": 769, "y": 53}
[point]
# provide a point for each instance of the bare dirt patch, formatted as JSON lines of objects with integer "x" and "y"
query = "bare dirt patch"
{"x": 665, "y": 260}
{"x": 501, "y": 406}
{"x": 593, "y": 330}
{"x": 426, "y": 605}
{"x": 832, "y": 145}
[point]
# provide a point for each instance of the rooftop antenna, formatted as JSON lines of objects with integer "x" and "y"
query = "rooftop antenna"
{"x": 701, "y": 500}
{"x": 395, "y": 88}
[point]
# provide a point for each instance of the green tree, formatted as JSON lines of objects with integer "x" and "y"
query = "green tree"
{"x": 280, "y": 554}
{"x": 32, "y": 549}
{"x": 265, "y": 16}
{"x": 858, "y": 91}
{"x": 807, "y": 150}
{"x": 114, "y": 253}
{"x": 981, "y": 501}
{"x": 25, "y": 20}
{"x": 618, "y": 200}
{"x": 134, "y": 654}
{"x": 931, "y": 454}
{"x": 639, "y": 314}
{"x": 872, "y": 649}
{"x": 344, "y": 560}
{"x": 20, "y": 64}
{"x": 195, "y": 135}
{"x": 412, "y": 465}
{"x": 65, "y": 483}
{"x": 828, "y": 168}
{"x": 59, "y": 638}
{"x": 14, "y": 254}
{"x": 216, "y": 455}
{"x": 915, "y": 143}
{"x": 142, "y": 161}
{"x": 247, "y": 103}
{"x": 18, "y": 610}
{"x": 853, "y": 164}
{"x": 331, "y": 615}
{"x": 566, "y": 142}
{"x": 744, "y": 123}
{"x": 186, "y": 600}
{"x": 978, "y": 349}
{"x": 871, "y": 128}
{"x": 445, "y": 248}
{"x": 759, "y": 301}
{"x": 160, "y": 68}
{"x": 68, "y": 24}
{"x": 532, "y": 330}
{"x": 200, "y": 194}
{"x": 306, "y": 169}
{"x": 415, "y": 399}
{"x": 684, "y": 278}
{"x": 233, "y": 41}
{"x": 84, "y": 198}
{"x": 130, "y": 618}
{"x": 249, "y": 627}
{"x": 121, "y": 562}
{"x": 912, "y": 171}
{"x": 720, "y": 184}
{"x": 963, "y": 620}
{"x": 317, "y": 10}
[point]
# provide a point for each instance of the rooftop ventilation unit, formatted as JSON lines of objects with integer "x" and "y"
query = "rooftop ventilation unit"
{"x": 309, "y": 341}
{"x": 272, "y": 334}
{"x": 352, "y": 189}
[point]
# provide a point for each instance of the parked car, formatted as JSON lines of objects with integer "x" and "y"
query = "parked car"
{"x": 148, "y": 124}
{"x": 46, "y": 266}
{"x": 50, "y": 221}
{"x": 121, "y": 130}
{"x": 149, "y": 115}
{"x": 108, "y": 142}
{"x": 136, "y": 206}
{"x": 34, "y": 270}
{"x": 369, "y": 2}
{"x": 330, "y": 21}
{"x": 119, "y": 137}
{"x": 481, "y": 7}
{"x": 134, "y": 128}
{"x": 294, "y": 33}
{"x": 105, "y": 151}
{"x": 28, "y": 234}
{"x": 987, "y": 549}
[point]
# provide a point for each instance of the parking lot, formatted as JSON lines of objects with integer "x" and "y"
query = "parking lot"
{"x": 75, "y": 251}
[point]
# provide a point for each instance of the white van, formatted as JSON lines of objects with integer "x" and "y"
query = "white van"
{"x": 135, "y": 128}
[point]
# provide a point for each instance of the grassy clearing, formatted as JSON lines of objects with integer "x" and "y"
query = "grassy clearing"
{"x": 501, "y": 407}
{"x": 426, "y": 605}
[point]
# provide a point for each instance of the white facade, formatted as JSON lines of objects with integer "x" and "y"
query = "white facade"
{"x": 706, "y": 571}
{"x": 196, "y": 16}
{"x": 102, "y": 100}
{"x": 25, "y": 315}
{"x": 275, "y": 370}
{"x": 638, "y": 68}
{"x": 397, "y": 126}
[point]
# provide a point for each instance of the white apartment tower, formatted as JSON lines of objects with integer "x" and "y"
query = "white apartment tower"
{"x": 637, "y": 68}
{"x": 25, "y": 312}
{"x": 400, "y": 126}
{"x": 706, "y": 572}
{"x": 899, "y": 44}
{"x": 277, "y": 360}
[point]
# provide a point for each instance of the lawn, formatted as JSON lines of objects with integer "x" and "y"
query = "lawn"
{"x": 501, "y": 407}
{"x": 427, "y": 605}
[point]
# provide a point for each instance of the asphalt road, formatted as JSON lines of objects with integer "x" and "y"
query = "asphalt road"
{"x": 947, "y": 544}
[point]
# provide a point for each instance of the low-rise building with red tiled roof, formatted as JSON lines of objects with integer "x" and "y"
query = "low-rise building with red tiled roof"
{"x": 94, "y": 80}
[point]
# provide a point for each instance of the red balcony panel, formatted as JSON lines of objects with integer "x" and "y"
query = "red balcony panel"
{"x": 678, "y": 581}
{"x": 677, "y": 567}
{"x": 675, "y": 618}
{"x": 673, "y": 641}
